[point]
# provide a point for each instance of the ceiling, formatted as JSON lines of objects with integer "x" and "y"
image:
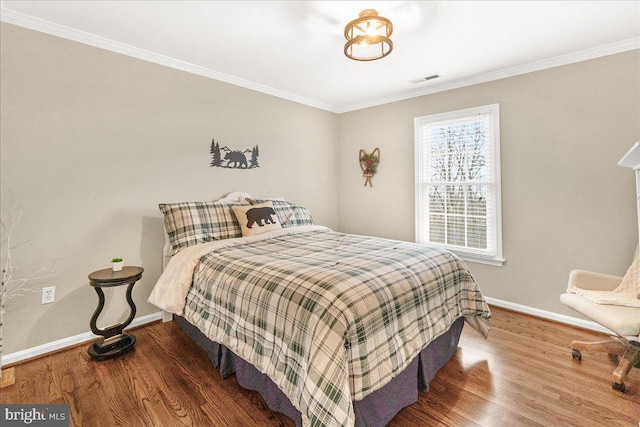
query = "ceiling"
{"x": 294, "y": 49}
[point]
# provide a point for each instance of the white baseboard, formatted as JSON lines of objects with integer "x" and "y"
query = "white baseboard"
{"x": 87, "y": 336}
{"x": 68, "y": 342}
{"x": 574, "y": 321}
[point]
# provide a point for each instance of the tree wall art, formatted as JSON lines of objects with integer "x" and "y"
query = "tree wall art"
{"x": 225, "y": 157}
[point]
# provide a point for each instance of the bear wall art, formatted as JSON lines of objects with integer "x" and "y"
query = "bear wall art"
{"x": 233, "y": 159}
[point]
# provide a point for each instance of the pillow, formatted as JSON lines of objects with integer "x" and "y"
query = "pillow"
{"x": 289, "y": 214}
{"x": 257, "y": 219}
{"x": 192, "y": 223}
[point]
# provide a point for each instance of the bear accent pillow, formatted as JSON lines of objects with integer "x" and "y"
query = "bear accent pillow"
{"x": 256, "y": 219}
{"x": 289, "y": 214}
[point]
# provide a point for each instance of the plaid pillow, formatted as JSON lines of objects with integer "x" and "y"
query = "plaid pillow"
{"x": 191, "y": 223}
{"x": 289, "y": 214}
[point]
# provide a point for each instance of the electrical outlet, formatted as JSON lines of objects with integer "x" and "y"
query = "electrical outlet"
{"x": 48, "y": 294}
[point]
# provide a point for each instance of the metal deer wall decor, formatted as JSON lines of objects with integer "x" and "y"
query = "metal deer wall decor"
{"x": 369, "y": 165}
{"x": 233, "y": 159}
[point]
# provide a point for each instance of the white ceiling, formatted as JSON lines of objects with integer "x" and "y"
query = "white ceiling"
{"x": 294, "y": 49}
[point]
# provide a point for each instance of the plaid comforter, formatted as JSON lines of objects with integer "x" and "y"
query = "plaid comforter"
{"x": 331, "y": 317}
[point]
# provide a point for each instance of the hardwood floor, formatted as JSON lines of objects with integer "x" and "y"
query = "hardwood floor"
{"x": 523, "y": 375}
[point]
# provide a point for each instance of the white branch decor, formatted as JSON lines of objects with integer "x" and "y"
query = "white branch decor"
{"x": 15, "y": 284}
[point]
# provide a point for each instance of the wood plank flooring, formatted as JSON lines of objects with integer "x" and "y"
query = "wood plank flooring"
{"x": 523, "y": 375}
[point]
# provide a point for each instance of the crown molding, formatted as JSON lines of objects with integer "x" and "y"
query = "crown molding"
{"x": 26, "y": 21}
{"x": 583, "y": 55}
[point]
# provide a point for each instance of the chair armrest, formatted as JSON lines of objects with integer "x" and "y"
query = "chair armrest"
{"x": 593, "y": 281}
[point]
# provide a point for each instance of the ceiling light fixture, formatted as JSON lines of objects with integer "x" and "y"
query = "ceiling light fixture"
{"x": 368, "y": 37}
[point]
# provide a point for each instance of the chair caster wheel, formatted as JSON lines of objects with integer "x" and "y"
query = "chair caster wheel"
{"x": 614, "y": 358}
{"x": 619, "y": 387}
{"x": 576, "y": 354}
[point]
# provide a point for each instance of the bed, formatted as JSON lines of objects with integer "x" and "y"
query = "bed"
{"x": 332, "y": 329}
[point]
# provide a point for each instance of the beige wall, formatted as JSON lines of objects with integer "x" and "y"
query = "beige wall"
{"x": 92, "y": 141}
{"x": 566, "y": 203}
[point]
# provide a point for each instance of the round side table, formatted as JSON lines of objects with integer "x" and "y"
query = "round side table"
{"x": 114, "y": 342}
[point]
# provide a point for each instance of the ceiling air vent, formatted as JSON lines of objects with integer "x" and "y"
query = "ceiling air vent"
{"x": 424, "y": 79}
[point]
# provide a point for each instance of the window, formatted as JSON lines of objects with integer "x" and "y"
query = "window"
{"x": 458, "y": 183}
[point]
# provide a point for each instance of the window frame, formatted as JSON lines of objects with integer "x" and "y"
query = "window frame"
{"x": 494, "y": 257}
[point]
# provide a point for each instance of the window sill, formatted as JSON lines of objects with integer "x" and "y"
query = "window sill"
{"x": 496, "y": 262}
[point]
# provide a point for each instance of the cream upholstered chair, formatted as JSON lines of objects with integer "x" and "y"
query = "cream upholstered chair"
{"x": 623, "y": 320}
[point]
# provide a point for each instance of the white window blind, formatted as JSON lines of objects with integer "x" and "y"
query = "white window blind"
{"x": 458, "y": 183}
